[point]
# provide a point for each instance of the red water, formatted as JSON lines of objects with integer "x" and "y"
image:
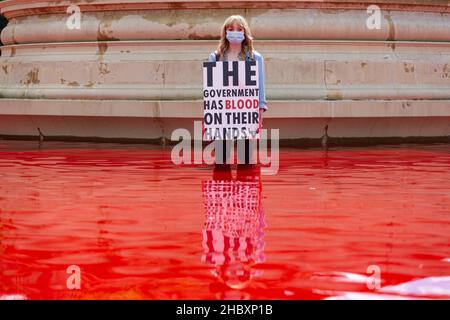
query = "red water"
{"x": 139, "y": 227}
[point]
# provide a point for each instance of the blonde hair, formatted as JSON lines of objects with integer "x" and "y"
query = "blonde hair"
{"x": 246, "y": 45}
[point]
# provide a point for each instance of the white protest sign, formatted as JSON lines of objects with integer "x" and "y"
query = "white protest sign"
{"x": 230, "y": 100}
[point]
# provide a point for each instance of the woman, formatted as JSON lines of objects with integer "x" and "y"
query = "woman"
{"x": 236, "y": 43}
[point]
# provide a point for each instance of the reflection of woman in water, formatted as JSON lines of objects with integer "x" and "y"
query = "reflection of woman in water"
{"x": 233, "y": 229}
{"x": 236, "y": 43}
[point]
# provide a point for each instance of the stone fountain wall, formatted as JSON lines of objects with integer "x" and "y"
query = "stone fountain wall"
{"x": 133, "y": 69}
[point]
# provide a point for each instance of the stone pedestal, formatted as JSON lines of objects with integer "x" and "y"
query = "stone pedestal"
{"x": 133, "y": 69}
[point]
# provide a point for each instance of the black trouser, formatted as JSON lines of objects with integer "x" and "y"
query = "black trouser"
{"x": 246, "y": 150}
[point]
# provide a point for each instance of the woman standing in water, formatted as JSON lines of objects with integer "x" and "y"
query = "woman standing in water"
{"x": 236, "y": 44}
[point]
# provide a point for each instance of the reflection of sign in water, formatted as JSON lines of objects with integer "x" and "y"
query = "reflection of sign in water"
{"x": 231, "y": 100}
{"x": 234, "y": 222}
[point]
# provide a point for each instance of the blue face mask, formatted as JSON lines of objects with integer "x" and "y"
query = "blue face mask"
{"x": 235, "y": 37}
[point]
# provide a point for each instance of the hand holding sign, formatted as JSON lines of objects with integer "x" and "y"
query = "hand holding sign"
{"x": 231, "y": 100}
{"x": 261, "y": 112}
